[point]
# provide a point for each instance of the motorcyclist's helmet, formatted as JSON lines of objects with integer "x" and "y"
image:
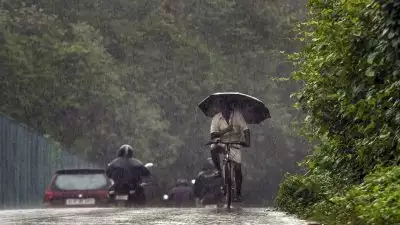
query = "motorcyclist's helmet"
{"x": 129, "y": 153}
{"x": 121, "y": 152}
{"x": 127, "y": 149}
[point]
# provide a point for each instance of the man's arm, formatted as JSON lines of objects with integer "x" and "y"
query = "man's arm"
{"x": 215, "y": 131}
{"x": 246, "y": 138}
{"x": 243, "y": 125}
{"x": 145, "y": 171}
{"x": 222, "y": 132}
{"x": 109, "y": 171}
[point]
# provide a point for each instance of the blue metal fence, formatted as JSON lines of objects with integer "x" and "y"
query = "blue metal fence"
{"x": 27, "y": 161}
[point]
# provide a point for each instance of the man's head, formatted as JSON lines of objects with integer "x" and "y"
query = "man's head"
{"x": 129, "y": 153}
{"x": 225, "y": 107}
{"x": 125, "y": 151}
{"x": 121, "y": 152}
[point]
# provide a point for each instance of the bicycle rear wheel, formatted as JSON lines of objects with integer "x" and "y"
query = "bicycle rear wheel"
{"x": 228, "y": 184}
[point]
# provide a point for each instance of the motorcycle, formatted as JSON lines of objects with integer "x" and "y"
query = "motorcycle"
{"x": 128, "y": 195}
{"x": 210, "y": 199}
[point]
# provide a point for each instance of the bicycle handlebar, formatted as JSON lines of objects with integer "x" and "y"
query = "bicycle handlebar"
{"x": 225, "y": 142}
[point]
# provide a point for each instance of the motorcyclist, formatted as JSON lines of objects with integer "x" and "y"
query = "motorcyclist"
{"x": 126, "y": 172}
{"x": 139, "y": 172}
{"x": 182, "y": 194}
{"x": 207, "y": 186}
{"x": 114, "y": 171}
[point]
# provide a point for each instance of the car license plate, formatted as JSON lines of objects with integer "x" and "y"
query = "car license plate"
{"x": 121, "y": 197}
{"x": 85, "y": 201}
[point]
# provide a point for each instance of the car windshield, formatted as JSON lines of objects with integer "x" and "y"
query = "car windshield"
{"x": 80, "y": 181}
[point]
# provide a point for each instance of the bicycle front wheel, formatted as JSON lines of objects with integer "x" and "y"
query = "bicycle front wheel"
{"x": 228, "y": 184}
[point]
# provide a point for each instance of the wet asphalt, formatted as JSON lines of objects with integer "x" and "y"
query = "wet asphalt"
{"x": 159, "y": 216}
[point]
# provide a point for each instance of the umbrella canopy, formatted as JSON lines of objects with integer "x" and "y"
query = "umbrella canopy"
{"x": 254, "y": 110}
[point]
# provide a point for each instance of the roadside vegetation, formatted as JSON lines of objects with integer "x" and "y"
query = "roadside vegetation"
{"x": 350, "y": 68}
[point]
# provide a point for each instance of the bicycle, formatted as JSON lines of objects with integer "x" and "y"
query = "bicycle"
{"x": 228, "y": 172}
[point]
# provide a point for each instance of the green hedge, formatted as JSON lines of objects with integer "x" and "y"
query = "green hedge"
{"x": 350, "y": 68}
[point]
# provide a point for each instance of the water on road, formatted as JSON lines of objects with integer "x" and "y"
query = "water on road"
{"x": 161, "y": 216}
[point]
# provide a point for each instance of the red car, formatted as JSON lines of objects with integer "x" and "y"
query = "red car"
{"x": 77, "y": 187}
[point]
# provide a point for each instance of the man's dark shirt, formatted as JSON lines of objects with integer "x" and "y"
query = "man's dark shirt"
{"x": 126, "y": 171}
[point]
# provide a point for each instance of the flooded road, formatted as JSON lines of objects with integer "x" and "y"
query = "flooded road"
{"x": 100, "y": 216}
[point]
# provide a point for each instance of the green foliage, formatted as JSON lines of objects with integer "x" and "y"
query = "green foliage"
{"x": 350, "y": 70}
{"x": 61, "y": 80}
{"x": 298, "y": 193}
{"x": 48, "y": 68}
{"x": 374, "y": 202}
{"x": 350, "y": 90}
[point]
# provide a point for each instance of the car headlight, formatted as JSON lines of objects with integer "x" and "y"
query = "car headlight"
{"x": 165, "y": 197}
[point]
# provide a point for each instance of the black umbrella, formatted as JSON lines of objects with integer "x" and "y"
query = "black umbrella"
{"x": 254, "y": 110}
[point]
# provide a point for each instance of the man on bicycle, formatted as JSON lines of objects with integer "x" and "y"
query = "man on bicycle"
{"x": 229, "y": 126}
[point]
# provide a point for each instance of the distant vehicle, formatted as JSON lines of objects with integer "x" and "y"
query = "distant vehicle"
{"x": 77, "y": 187}
{"x": 166, "y": 198}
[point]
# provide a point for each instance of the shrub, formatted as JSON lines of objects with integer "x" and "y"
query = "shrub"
{"x": 376, "y": 200}
{"x": 298, "y": 193}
